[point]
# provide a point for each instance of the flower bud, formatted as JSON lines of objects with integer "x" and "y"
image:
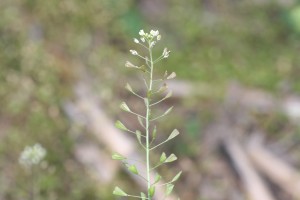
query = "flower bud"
{"x": 142, "y": 33}
{"x": 154, "y": 33}
{"x": 134, "y": 52}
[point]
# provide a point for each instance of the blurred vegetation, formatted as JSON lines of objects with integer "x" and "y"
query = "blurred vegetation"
{"x": 44, "y": 44}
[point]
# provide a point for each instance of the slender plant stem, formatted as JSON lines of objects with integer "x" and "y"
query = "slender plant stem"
{"x": 33, "y": 183}
{"x": 148, "y": 123}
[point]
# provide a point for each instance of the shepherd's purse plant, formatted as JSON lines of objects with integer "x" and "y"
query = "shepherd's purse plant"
{"x": 30, "y": 158}
{"x": 156, "y": 92}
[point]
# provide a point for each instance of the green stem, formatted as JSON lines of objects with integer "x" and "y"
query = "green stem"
{"x": 148, "y": 124}
{"x": 33, "y": 183}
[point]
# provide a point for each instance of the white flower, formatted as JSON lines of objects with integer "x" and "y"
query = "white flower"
{"x": 32, "y": 155}
{"x": 165, "y": 53}
{"x": 142, "y": 39}
{"x": 154, "y": 33}
{"x": 152, "y": 44}
{"x": 158, "y": 37}
{"x": 133, "y": 52}
{"x": 136, "y": 40}
{"x": 142, "y": 33}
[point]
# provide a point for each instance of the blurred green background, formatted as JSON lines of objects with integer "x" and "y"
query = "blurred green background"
{"x": 45, "y": 45}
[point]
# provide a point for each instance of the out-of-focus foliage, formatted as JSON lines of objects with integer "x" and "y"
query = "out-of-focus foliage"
{"x": 44, "y": 44}
{"x": 222, "y": 41}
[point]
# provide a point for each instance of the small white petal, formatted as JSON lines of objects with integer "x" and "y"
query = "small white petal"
{"x": 142, "y": 33}
{"x": 136, "y": 40}
{"x": 154, "y": 33}
{"x": 133, "y": 52}
{"x": 152, "y": 44}
{"x": 166, "y": 53}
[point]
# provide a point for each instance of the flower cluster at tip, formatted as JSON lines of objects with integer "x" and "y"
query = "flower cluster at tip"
{"x": 149, "y": 37}
{"x": 32, "y": 155}
{"x": 148, "y": 40}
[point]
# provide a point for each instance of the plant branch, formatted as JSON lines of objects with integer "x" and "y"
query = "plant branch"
{"x": 159, "y": 144}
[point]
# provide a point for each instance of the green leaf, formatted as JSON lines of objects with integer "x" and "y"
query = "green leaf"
{"x": 140, "y": 120}
{"x": 124, "y": 107}
{"x": 150, "y": 113}
{"x": 117, "y": 156}
{"x": 171, "y": 158}
{"x": 163, "y": 157}
{"x": 120, "y": 126}
{"x": 151, "y": 191}
{"x": 117, "y": 191}
{"x": 157, "y": 178}
{"x": 174, "y": 133}
{"x": 176, "y": 177}
{"x": 143, "y": 196}
{"x": 133, "y": 169}
{"x": 154, "y": 133}
{"x": 139, "y": 136}
{"x": 169, "y": 188}
{"x": 172, "y": 75}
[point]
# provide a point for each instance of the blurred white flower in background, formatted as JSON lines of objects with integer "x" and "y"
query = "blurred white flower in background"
{"x": 32, "y": 155}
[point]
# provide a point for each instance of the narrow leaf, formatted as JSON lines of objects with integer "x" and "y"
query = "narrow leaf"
{"x": 150, "y": 113}
{"x": 124, "y": 107}
{"x": 171, "y": 158}
{"x": 120, "y": 126}
{"x": 143, "y": 196}
{"x": 176, "y": 177}
{"x": 117, "y": 156}
{"x": 140, "y": 120}
{"x": 119, "y": 192}
{"x": 154, "y": 133}
{"x": 174, "y": 133}
{"x": 169, "y": 189}
{"x": 139, "y": 136}
{"x": 157, "y": 178}
{"x": 151, "y": 191}
{"x": 172, "y": 75}
{"x": 133, "y": 169}
{"x": 163, "y": 157}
